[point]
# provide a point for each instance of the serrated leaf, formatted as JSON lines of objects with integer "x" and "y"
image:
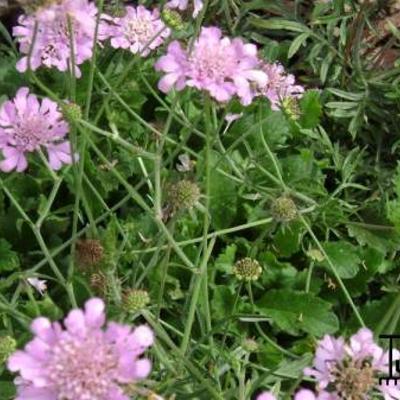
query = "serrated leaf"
{"x": 311, "y": 109}
{"x": 344, "y": 257}
{"x": 295, "y": 311}
{"x": 9, "y": 260}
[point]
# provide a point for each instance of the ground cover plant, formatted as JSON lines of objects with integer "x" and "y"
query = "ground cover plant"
{"x": 198, "y": 199}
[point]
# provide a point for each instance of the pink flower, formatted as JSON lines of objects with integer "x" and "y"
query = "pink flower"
{"x": 52, "y": 46}
{"x": 183, "y": 5}
{"x": 139, "y": 31}
{"x": 27, "y": 125}
{"x": 221, "y": 66}
{"x": 280, "y": 86}
{"x": 81, "y": 360}
{"x": 351, "y": 370}
{"x": 303, "y": 394}
{"x": 175, "y": 64}
{"x": 266, "y": 396}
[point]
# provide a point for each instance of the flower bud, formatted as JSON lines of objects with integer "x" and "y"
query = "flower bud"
{"x": 135, "y": 300}
{"x": 247, "y": 269}
{"x": 284, "y": 209}
{"x": 7, "y": 346}
{"x": 172, "y": 19}
{"x": 72, "y": 112}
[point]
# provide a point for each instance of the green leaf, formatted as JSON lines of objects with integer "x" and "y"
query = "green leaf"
{"x": 297, "y": 43}
{"x": 226, "y": 259}
{"x": 279, "y": 24}
{"x": 222, "y": 302}
{"x": 7, "y": 390}
{"x": 223, "y": 192}
{"x": 344, "y": 257}
{"x": 311, "y": 110}
{"x": 295, "y": 311}
{"x": 8, "y": 258}
{"x": 287, "y": 239}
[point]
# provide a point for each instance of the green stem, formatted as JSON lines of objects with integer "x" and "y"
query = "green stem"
{"x": 195, "y": 298}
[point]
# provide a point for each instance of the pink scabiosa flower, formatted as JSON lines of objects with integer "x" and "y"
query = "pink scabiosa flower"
{"x": 303, "y": 394}
{"x": 266, "y": 396}
{"x": 351, "y": 370}
{"x": 280, "y": 86}
{"x": 49, "y": 30}
{"x": 80, "y": 360}
{"x": 183, "y": 5}
{"x": 221, "y": 66}
{"x": 139, "y": 30}
{"x": 27, "y": 125}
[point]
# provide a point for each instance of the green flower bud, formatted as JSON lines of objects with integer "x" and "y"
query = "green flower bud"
{"x": 172, "y": 19}
{"x": 135, "y": 300}
{"x": 7, "y": 346}
{"x": 284, "y": 209}
{"x": 247, "y": 269}
{"x": 72, "y": 112}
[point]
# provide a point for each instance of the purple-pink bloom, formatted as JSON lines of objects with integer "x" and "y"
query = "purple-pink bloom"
{"x": 266, "y": 396}
{"x": 140, "y": 30}
{"x": 49, "y": 26}
{"x": 81, "y": 360}
{"x": 221, "y": 66}
{"x": 280, "y": 86}
{"x": 28, "y": 124}
{"x": 183, "y": 5}
{"x": 352, "y": 369}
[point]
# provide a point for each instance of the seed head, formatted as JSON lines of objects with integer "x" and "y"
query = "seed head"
{"x": 247, "y": 269}
{"x": 89, "y": 252}
{"x": 183, "y": 195}
{"x": 99, "y": 283}
{"x": 284, "y": 209}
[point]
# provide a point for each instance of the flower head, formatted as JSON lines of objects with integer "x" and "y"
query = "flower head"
{"x": 183, "y": 5}
{"x": 221, "y": 66}
{"x": 46, "y": 34}
{"x": 351, "y": 370}
{"x": 266, "y": 396}
{"x": 81, "y": 360}
{"x": 284, "y": 209}
{"x": 27, "y": 125}
{"x": 280, "y": 86}
{"x": 247, "y": 269}
{"x": 140, "y": 30}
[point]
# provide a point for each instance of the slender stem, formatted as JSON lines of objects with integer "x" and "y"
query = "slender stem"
{"x": 334, "y": 271}
{"x": 195, "y": 298}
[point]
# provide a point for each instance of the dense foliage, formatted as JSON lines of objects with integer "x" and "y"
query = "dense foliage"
{"x": 239, "y": 230}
